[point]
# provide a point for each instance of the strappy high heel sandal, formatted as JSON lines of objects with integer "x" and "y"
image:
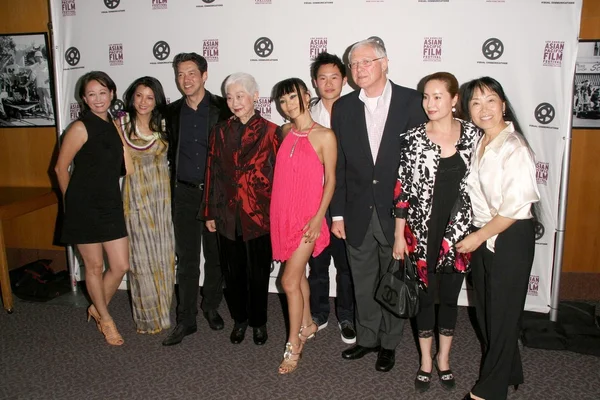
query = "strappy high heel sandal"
{"x": 93, "y": 313}
{"x": 111, "y": 334}
{"x": 304, "y": 337}
{"x": 290, "y": 359}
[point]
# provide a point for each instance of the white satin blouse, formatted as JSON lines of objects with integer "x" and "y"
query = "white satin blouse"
{"x": 503, "y": 181}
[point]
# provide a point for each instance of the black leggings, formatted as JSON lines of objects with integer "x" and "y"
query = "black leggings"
{"x": 449, "y": 289}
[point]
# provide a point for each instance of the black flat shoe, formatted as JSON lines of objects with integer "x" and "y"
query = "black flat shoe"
{"x": 260, "y": 335}
{"x": 446, "y": 377}
{"x": 178, "y": 333}
{"x": 214, "y": 320}
{"x": 358, "y": 351}
{"x": 386, "y": 359}
{"x": 422, "y": 381}
{"x": 238, "y": 333}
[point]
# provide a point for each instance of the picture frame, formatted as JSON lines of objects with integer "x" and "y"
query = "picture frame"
{"x": 586, "y": 86}
{"x": 27, "y": 96}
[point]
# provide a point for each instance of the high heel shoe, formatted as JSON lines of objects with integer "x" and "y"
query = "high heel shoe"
{"x": 303, "y": 337}
{"x": 290, "y": 359}
{"x": 111, "y": 334}
{"x": 446, "y": 377}
{"x": 93, "y": 313}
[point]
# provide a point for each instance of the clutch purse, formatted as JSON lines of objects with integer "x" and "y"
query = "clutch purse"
{"x": 398, "y": 290}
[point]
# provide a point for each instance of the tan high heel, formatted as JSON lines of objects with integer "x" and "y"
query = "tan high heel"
{"x": 93, "y": 313}
{"x": 290, "y": 359}
{"x": 111, "y": 334}
{"x": 303, "y": 337}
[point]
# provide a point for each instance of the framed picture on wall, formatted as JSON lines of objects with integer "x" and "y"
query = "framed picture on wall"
{"x": 26, "y": 81}
{"x": 586, "y": 90}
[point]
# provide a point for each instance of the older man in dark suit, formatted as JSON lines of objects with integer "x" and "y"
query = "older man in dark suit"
{"x": 368, "y": 123}
{"x": 189, "y": 121}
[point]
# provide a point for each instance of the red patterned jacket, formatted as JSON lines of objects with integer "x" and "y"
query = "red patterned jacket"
{"x": 239, "y": 175}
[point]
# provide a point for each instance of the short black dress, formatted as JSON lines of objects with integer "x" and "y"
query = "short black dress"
{"x": 450, "y": 172}
{"x": 93, "y": 204}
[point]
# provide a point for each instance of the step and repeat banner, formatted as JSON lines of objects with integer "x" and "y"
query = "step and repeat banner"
{"x": 530, "y": 46}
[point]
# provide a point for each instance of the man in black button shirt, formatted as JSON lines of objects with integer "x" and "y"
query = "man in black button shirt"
{"x": 189, "y": 121}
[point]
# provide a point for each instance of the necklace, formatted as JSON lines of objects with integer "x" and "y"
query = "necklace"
{"x": 142, "y": 136}
{"x": 298, "y": 136}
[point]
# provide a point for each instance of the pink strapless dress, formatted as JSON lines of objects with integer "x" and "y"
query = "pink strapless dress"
{"x": 296, "y": 195}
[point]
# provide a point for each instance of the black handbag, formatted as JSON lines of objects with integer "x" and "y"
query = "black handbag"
{"x": 398, "y": 290}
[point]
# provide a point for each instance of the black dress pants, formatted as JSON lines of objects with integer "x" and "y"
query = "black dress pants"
{"x": 190, "y": 235}
{"x": 318, "y": 280}
{"x": 247, "y": 266}
{"x": 500, "y": 281}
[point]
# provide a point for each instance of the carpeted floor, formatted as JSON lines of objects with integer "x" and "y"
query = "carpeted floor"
{"x": 47, "y": 351}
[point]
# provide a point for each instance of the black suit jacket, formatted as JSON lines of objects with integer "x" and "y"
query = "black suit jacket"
{"x": 360, "y": 183}
{"x": 217, "y": 111}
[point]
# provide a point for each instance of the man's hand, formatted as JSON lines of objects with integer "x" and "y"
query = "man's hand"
{"x": 338, "y": 229}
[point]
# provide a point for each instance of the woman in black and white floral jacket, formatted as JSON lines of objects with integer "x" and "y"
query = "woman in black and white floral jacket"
{"x": 433, "y": 213}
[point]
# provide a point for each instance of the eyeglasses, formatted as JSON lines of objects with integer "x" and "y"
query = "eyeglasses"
{"x": 363, "y": 63}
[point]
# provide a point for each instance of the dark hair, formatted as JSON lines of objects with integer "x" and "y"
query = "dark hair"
{"x": 325, "y": 58}
{"x": 100, "y": 77}
{"x": 159, "y": 97}
{"x": 483, "y": 83}
{"x": 287, "y": 86}
{"x": 447, "y": 78}
{"x": 195, "y": 57}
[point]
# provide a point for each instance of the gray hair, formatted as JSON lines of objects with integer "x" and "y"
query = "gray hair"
{"x": 245, "y": 80}
{"x": 371, "y": 42}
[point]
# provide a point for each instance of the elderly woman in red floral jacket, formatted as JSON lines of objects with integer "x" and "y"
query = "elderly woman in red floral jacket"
{"x": 239, "y": 177}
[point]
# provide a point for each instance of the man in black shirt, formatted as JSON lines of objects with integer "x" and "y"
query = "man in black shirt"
{"x": 189, "y": 121}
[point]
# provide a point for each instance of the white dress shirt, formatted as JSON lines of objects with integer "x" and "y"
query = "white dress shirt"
{"x": 503, "y": 181}
{"x": 319, "y": 113}
{"x": 376, "y": 112}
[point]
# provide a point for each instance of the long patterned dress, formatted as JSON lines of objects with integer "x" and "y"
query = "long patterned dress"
{"x": 147, "y": 205}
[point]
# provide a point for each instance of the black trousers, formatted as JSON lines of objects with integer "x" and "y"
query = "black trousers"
{"x": 500, "y": 281}
{"x": 190, "y": 235}
{"x": 449, "y": 289}
{"x": 318, "y": 279}
{"x": 246, "y": 266}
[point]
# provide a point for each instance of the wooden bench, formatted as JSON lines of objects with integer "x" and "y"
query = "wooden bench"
{"x": 14, "y": 202}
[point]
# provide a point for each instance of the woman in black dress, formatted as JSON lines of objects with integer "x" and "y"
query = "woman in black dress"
{"x": 432, "y": 214}
{"x": 94, "y": 219}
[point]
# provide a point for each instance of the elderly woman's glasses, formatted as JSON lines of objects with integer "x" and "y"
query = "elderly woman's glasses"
{"x": 363, "y": 63}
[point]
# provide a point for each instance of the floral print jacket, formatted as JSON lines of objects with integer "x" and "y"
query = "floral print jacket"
{"x": 413, "y": 198}
{"x": 239, "y": 176}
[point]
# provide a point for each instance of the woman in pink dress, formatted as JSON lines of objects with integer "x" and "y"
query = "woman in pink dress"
{"x": 303, "y": 185}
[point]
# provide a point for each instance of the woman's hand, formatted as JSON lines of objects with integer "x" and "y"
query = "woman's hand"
{"x": 211, "y": 225}
{"x": 399, "y": 249}
{"x": 470, "y": 243}
{"x": 312, "y": 230}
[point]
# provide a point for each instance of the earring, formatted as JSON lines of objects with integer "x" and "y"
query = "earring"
{"x": 504, "y": 113}
{"x": 453, "y": 109}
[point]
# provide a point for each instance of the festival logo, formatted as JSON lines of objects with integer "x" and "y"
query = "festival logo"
{"x": 72, "y": 57}
{"x": 115, "y": 54}
{"x": 68, "y": 8}
{"x": 159, "y": 4}
{"x": 541, "y": 172}
{"x": 263, "y": 105}
{"x": 263, "y": 48}
{"x": 432, "y": 49}
{"x": 553, "y": 53}
{"x": 492, "y": 49}
{"x": 210, "y": 50}
{"x": 161, "y": 51}
{"x": 539, "y": 230}
{"x": 544, "y": 113}
{"x": 534, "y": 285}
{"x": 74, "y": 111}
{"x": 117, "y": 107}
{"x": 317, "y": 46}
{"x": 112, "y": 5}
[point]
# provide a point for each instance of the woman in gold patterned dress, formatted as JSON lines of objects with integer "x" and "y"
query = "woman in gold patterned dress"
{"x": 147, "y": 204}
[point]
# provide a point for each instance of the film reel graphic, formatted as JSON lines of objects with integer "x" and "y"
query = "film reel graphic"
{"x": 112, "y": 4}
{"x": 263, "y": 47}
{"x": 161, "y": 50}
{"x": 72, "y": 56}
{"x": 539, "y": 230}
{"x": 208, "y": 1}
{"x": 492, "y": 49}
{"x": 117, "y": 107}
{"x": 544, "y": 113}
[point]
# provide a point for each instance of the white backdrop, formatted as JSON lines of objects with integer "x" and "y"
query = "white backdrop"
{"x": 530, "y": 46}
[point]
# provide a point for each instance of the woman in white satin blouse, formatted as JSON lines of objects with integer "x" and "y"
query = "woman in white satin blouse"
{"x": 502, "y": 187}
